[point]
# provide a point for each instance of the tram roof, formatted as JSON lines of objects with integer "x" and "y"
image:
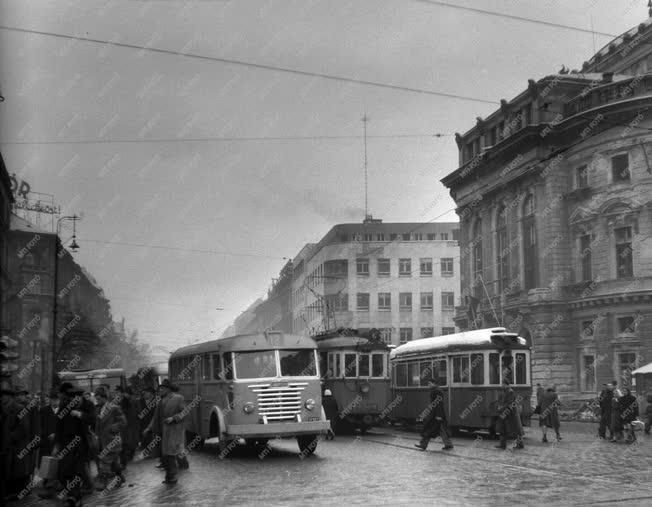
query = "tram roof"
{"x": 497, "y": 337}
{"x": 349, "y": 342}
{"x": 99, "y": 373}
{"x": 643, "y": 370}
{"x": 244, "y": 342}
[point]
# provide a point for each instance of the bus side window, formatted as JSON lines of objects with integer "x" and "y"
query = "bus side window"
{"x": 228, "y": 365}
{"x": 477, "y": 369}
{"x": 400, "y": 373}
{"x": 521, "y": 368}
{"x": 508, "y": 368}
{"x": 217, "y": 367}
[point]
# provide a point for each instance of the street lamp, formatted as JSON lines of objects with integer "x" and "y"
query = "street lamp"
{"x": 58, "y": 247}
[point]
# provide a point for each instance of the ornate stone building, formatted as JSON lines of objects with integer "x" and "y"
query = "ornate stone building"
{"x": 554, "y": 195}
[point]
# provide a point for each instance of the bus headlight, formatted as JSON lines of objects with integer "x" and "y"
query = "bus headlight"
{"x": 310, "y": 404}
{"x": 248, "y": 407}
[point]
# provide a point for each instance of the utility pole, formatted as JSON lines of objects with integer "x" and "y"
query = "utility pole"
{"x": 365, "y": 119}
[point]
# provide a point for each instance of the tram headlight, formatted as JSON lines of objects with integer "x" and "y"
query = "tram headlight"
{"x": 309, "y": 404}
{"x": 364, "y": 388}
{"x": 248, "y": 407}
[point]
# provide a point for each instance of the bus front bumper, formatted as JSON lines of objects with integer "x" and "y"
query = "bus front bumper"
{"x": 271, "y": 430}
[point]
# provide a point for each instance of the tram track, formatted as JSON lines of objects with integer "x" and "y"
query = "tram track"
{"x": 536, "y": 471}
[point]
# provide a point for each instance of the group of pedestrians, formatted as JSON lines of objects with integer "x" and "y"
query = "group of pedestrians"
{"x": 618, "y": 410}
{"x": 78, "y": 428}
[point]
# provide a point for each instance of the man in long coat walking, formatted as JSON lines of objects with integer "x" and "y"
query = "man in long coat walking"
{"x": 110, "y": 425}
{"x": 509, "y": 419}
{"x": 435, "y": 423}
{"x": 168, "y": 423}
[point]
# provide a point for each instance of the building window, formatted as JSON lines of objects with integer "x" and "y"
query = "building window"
{"x": 426, "y": 300}
{"x": 587, "y": 328}
{"x": 406, "y": 236}
{"x": 447, "y": 330}
{"x": 588, "y": 373}
{"x": 418, "y": 236}
{"x": 380, "y": 237}
{"x": 427, "y": 332}
{"x": 585, "y": 256}
{"x": 386, "y": 334}
{"x": 431, "y": 236}
{"x": 367, "y": 237}
{"x": 582, "y": 177}
{"x": 384, "y": 301}
{"x": 362, "y": 267}
{"x": 336, "y": 303}
{"x": 502, "y": 249}
{"x": 363, "y": 301}
{"x": 620, "y": 167}
{"x": 626, "y": 325}
{"x": 383, "y": 267}
{"x": 444, "y": 236}
{"x": 447, "y": 300}
{"x": 405, "y": 267}
{"x": 476, "y": 259}
{"x": 624, "y": 252}
{"x": 447, "y": 266}
{"x": 394, "y": 237}
{"x": 627, "y": 363}
{"x": 530, "y": 254}
{"x": 456, "y": 234}
{"x": 405, "y": 334}
{"x": 405, "y": 301}
{"x": 336, "y": 267}
{"x": 426, "y": 266}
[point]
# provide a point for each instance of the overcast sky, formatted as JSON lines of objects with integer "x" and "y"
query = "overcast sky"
{"x": 256, "y": 201}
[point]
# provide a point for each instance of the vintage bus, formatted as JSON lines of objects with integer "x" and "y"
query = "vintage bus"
{"x": 470, "y": 368}
{"x": 355, "y": 369}
{"x": 89, "y": 380}
{"x": 254, "y": 386}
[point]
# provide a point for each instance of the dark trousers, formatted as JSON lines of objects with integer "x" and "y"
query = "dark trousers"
{"x": 171, "y": 467}
{"x": 605, "y": 424}
{"x": 648, "y": 423}
{"x": 433, "y": 429}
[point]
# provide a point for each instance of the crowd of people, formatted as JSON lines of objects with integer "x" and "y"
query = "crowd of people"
{"x": 49, "y": 444}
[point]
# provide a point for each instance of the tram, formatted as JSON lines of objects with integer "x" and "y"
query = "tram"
{"x": 356, "y": 371}
{"x": 89, "y": 380}
{"x": 470, "y": 368}
{"x": 254, "y": 386}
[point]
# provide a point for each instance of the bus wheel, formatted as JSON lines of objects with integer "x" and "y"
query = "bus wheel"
{"x": 307, "y": 444}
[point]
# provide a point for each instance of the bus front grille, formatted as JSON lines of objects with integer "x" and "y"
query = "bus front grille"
{"x": 279, "y": 403}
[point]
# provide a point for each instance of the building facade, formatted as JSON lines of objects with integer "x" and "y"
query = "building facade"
{"x": 399, "y": 278}
{"x": 6, "y": 199}
{"x": 554, "y": 195}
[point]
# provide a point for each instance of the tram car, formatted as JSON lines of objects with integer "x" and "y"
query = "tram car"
{"x": 470, "y": 368}
{"x": 355, "y": 369}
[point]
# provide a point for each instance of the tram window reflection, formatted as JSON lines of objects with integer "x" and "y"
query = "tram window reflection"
{"x": 413, "y": 375}
{"x": 363, "y": 365}
{"x": 377, "y": 365}
{"x": 477, "y": 369}
{"x": 521, "y": 369}
{"x": 508, "y": 368}
{"x": 494, "y": 368}
{"x": 401, "y": 375}
{"x": 350, "y": 362}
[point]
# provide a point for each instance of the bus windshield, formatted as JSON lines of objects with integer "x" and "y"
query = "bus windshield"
{"x": 259, "y": 364}
{"x": 298, "y": 363}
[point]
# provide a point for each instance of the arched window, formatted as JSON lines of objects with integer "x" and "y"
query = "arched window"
{"x": 502, "y": 250}
{"x": 476, "y": 241}
{"x": 530, "y": 257}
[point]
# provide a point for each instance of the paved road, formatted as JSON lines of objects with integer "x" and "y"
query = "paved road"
{"x": 383, "y": 468}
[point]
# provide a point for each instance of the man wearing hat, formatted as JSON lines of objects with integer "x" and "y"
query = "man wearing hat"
{"x": 435, "y": 423}
{"x": 332, "y": 412}
{"x": 509, "y": 418}
{"x": 168, "y": 423}
{"x": 15, "y": 437}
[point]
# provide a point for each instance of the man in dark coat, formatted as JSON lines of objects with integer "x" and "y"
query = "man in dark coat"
{"x": 435, "y": 423}
{"x": 332, "y": 411}
{"x": 146, "y": 408}
{"x": 549, "y": 416}
{"x": 131, "y": 432}
{"x": 15, "y": 437}
{"x": 168, "y": 423}
{"x": 110, "y": 424}
{"x": 628, "y": 412}
{"x": 604, "y": 400}
{"x": 509, "y": 418}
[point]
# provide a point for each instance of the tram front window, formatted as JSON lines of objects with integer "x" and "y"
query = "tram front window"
{"x": 259, "y": 364}
{"x": 377, "y": 365}
{"x": 298, "y": 363}
{"x": 508, "y": 368}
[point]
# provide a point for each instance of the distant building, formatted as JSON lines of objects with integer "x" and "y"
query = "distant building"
{"x": 554, "y": 197}
{"x": 399, "y": 278}
{"x": 6, "y": 199}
